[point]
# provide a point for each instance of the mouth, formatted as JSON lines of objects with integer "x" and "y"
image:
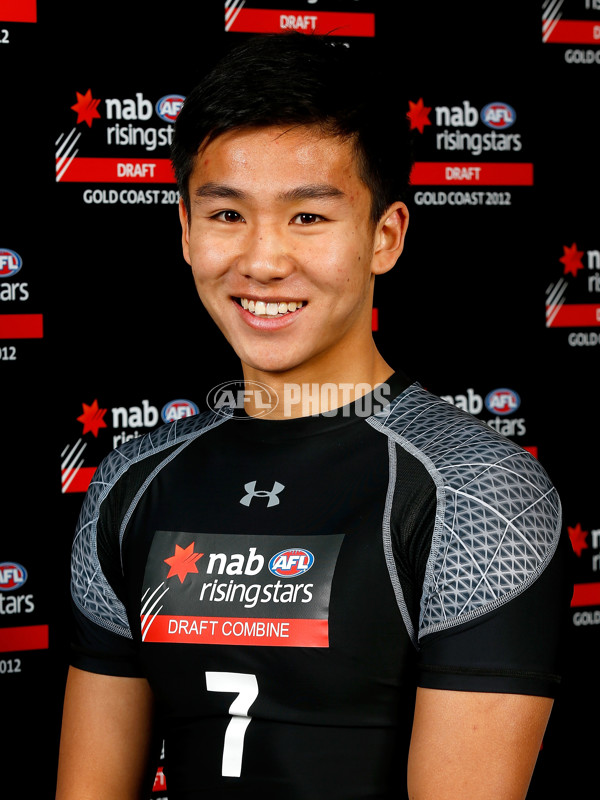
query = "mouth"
{"x": 270, "y": 309}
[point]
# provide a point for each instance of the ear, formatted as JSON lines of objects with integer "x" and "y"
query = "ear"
{"x": 389, "y": 238}
{"x": 185, "y": 230}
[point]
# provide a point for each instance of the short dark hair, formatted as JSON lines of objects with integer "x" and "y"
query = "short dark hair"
{"x": 300, "y": 79}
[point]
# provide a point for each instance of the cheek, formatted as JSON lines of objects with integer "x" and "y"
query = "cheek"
{"x": 209, "y": 261}
{"x": 342, "y": 266}
{"x": 329, "y": 255}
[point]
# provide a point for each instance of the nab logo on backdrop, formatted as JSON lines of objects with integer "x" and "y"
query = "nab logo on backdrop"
{"x": 13, "y": 577}
{"x": 120, "y": 140}
{"x": 453, "y": 135}
{"x": 20, "y": 637}
{"x": 579, "y": 278}
{"x": 10, "y": 265}
{"x": 124, "y": 422}
{"x": 586, "y": 594}
{"x": 15, "y": 326}
{"x": 501, "y": 403}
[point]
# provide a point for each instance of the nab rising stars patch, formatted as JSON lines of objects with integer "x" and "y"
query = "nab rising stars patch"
{"x": 228, "y": 589}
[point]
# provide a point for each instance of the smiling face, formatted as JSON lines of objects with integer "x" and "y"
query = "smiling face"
{"x": 284, "y": 252}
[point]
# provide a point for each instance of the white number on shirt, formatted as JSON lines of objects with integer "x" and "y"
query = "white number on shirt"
{"x": 246, "y": 688}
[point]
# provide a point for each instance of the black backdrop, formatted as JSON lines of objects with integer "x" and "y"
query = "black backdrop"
{"x": 495, "y": 304}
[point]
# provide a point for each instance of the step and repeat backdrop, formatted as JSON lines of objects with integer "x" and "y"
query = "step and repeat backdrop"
{"x": 495, "y": 304}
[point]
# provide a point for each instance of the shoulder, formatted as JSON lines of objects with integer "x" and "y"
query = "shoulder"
{"x": 457, "y": 447}
{"x": 164, "y": 438}
{"x": 152, "y": 447}
{"x": 128, "y": 466}
{"x": 498, "y": 516}
{"x": 111, "y": 491}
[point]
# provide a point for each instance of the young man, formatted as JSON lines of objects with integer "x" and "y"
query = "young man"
{"x": 356, "y": 594}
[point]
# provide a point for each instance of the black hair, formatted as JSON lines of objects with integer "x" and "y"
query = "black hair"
{"x": 301, "y": 79}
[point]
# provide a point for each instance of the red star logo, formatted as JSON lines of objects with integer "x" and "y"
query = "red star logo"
{"x": 572, "y": 259}
{"x": 578, "y": 538}
{"x": 418, "y": 114}
{"x": 86, "y": 108}
{"x": 183, "y": 561}
{"x": 92, "y": 418}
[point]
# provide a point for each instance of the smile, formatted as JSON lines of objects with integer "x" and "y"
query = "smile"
{"x": 265, "y": 308}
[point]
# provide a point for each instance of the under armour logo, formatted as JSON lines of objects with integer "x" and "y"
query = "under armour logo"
{"x": 252, "y": 493}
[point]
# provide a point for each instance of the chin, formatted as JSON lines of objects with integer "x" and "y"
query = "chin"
{"x": 271, "y": 365}
{"x": 271, "y": 368}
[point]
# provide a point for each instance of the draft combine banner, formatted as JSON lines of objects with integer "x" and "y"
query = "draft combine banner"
{"x": 219, "y": 589}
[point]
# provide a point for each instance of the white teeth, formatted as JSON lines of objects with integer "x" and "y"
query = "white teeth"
{"x": 267, "y": 309}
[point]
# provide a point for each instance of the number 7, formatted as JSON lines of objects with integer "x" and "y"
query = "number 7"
{"x": 246, "y": 688}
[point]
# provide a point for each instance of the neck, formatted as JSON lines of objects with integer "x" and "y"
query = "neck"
{"x": 308, "y": 390}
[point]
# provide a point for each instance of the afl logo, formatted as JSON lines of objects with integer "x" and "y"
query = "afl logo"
{"x": 12, "y": 576}
{"x": 498, "y": 115}
{"x": 169, "y": 106}
{"x": 10, "y": 263}
{"x": 502, "y": 402}
{"x": 232, "y": 396}
{"x": 291, "y": 563}
{"x": 178, "y": 409}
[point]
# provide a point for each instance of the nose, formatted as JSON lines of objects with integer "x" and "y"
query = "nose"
{"x": 265, "y": 255}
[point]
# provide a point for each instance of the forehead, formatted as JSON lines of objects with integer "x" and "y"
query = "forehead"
{"x": 276, "y": 157}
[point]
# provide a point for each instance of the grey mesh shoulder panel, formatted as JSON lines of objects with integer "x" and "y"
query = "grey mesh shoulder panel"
{"x": 498, "y": 517}
{"x": 90, "y": 590}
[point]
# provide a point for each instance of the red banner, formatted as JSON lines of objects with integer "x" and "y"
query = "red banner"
{"x": 21, "y": 326}
{"x": 270, "y": 20}
{"x": 433, "y": 173}
{"x": 571, "y": 31}
{"x": 27, "y": 637}
{"x": 160, "y": 781}
{"x": 586, "y": 594}
{"x": 77, "y": 481}
{"x": 574, "y": 315}
{"x": 18, "y": 10}
{"x": 119, "y": 170}
{"x": 237, "y": 630}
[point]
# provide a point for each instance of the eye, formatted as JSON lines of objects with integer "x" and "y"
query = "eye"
{"x": 228, "y": 216}
{"x": 307, "y": 219}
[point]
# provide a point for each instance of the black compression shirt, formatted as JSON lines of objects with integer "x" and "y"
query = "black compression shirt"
{"x": 285, "y": 585}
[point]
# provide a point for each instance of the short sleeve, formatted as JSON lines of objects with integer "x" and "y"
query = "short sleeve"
{"x": 95, "y": 649}
{"x": 514, "y": 648}
{"x": 479, "y": 554}
{"x": 101, "y": 639}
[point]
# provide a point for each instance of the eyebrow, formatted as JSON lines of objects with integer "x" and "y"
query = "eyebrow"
{"x": 212, "y": 190}
{"x": 311, "y": 191}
